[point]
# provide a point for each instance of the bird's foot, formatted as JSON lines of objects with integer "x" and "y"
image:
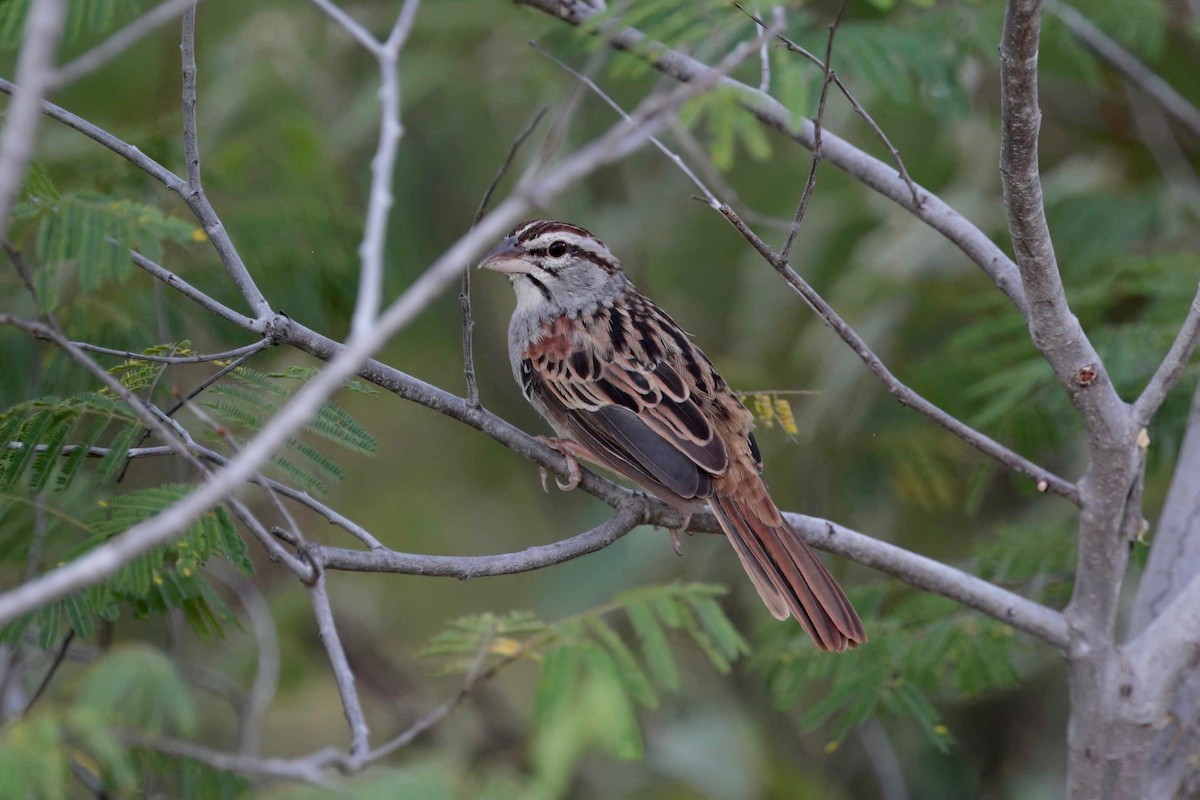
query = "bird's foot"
{"x": 572, "y": 451}
{"x": 675, "y": 544}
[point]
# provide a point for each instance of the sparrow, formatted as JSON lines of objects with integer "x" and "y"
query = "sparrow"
{"x": 625, "y": 388}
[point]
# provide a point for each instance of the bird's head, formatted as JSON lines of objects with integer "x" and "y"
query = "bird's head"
{"x": 556, "y": 267}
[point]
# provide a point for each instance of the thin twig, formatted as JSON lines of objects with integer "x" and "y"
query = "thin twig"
{"x": 244, "y": 350}
{"x": 857, "y": 106}
{"x": 193, "y": 394}
{"x": 192, "y": 190}
{"x": 811, "y": 182}
{"x": 59, "y": 657}
{"x": 120, "y": 41}
{"x": 359, "y": 732}
{"x": 1172, "y": 366}
{"x": 464, "y": 293}
{"x": 205, "y": 301}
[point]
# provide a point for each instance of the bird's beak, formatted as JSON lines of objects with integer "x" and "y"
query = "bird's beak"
{"x": 507, "y": 257}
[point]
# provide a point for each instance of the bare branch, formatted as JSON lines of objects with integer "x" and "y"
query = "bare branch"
{"x": 244, "y": 350}
{"x": 1172, "y": 366}
{"x": 193, "y": 191}
{"x": 120, "y": 41}
{"x": 383, "y": 168}
{"x": 1055, "y": 330}
{"x": 810, "y": 183}
{"x": 1146, "y": 79}
{"x": 35, "y": 73}
{"x": 359, "y": 733}
{"x": 629, "y": 515}
{"x": 194, "y": 294}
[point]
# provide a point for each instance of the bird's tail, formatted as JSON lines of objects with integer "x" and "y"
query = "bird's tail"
{"x": 787, "y": 574}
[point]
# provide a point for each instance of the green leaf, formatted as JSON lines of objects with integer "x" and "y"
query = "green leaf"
{"x": 118, "y": 448}
{"x": 85, "y": 18}
{"x": 556, "y": 683}
{"x": 655, "y": 648}
{"x": 96, "y": 233}
{"x": 631, "y": 672}
{"x": 612, "y": 714}
{"x": 71, "y": 464}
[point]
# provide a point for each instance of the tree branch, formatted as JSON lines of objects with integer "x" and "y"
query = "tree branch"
{"x": 1172, "y": 366}
{"x": 199, "y": 358}
{"x": 359, "y": 733}
{"x": 383, "y": 168}
{"x": 193, "y": 190}
{"x": 1058, "y": 336}
{"x": 810, "y": 183}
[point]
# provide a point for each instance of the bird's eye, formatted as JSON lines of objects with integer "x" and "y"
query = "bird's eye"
{"x": 557, "y": 249}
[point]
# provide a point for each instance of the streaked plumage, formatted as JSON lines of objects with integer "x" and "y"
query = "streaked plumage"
{"x": 615, "y": 375}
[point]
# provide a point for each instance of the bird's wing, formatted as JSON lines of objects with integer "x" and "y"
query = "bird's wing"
{"x": 632, "y": 400}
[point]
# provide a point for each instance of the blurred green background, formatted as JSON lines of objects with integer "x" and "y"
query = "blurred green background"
{"x": 288, "y": 118}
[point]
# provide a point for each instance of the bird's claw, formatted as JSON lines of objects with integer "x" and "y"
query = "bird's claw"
{"x": 565, "y": 448}
{"x": 675, "y": 544}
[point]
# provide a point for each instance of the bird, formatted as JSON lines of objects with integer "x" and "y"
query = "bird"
{"x": 625, "y": 388}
